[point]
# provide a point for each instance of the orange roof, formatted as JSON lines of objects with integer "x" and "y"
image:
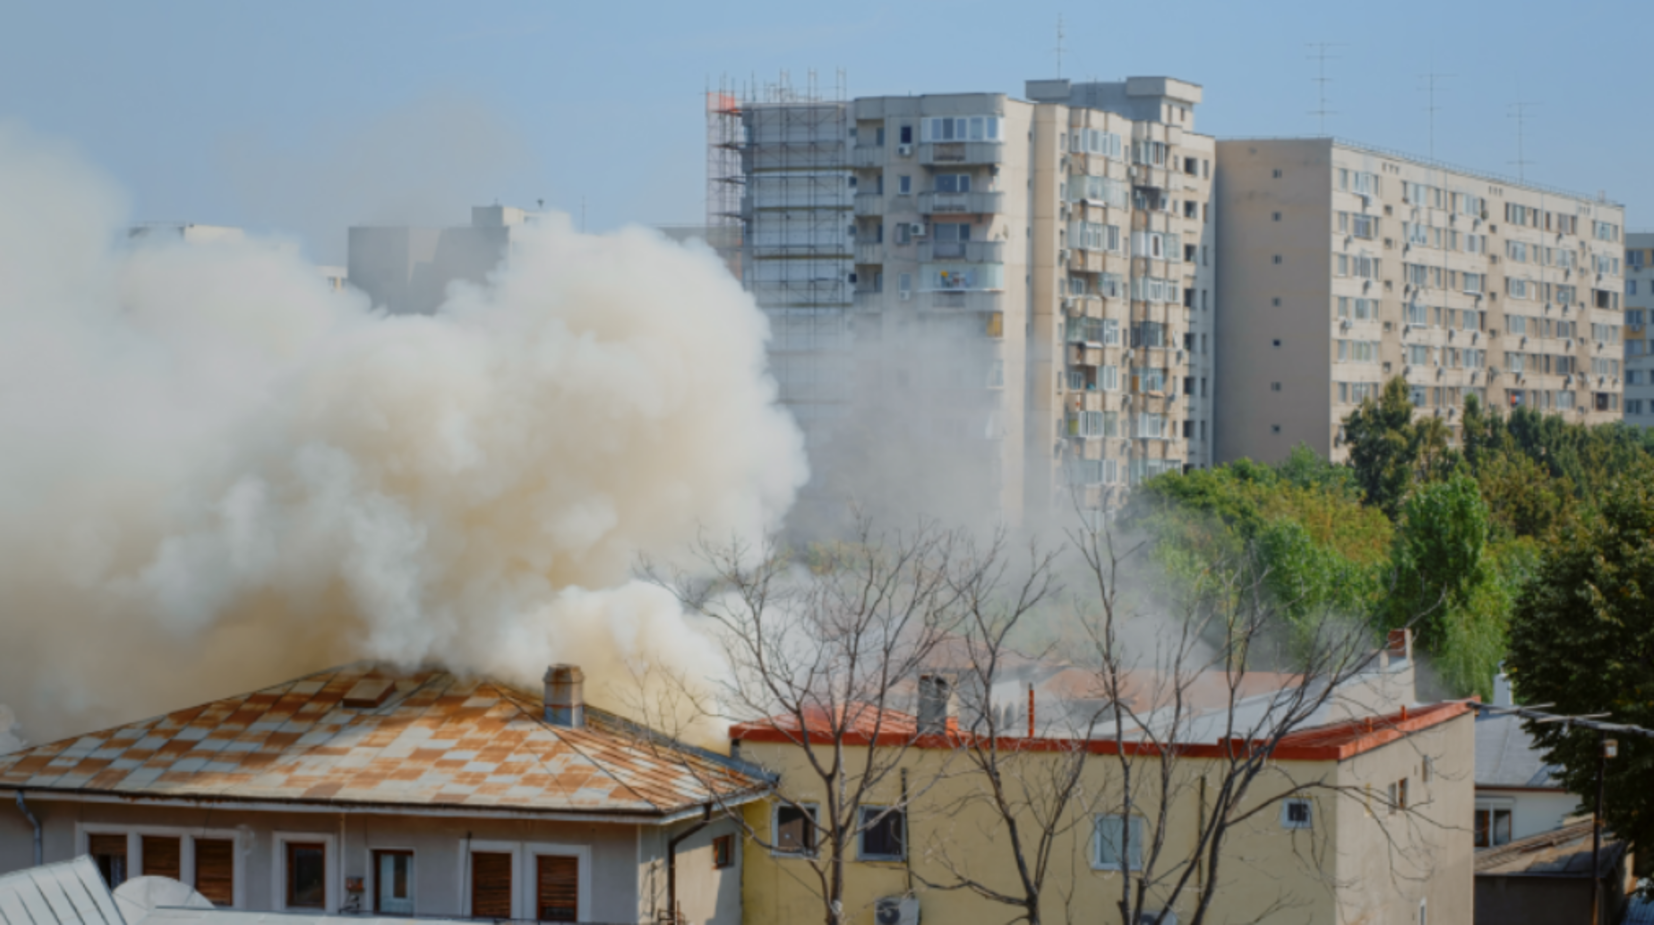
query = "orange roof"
{"x": 433, "y": 741}
{"x": 1332, "y": 742}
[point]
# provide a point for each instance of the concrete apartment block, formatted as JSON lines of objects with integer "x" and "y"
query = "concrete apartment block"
{"x": 1343, "y": 266}
{"x": 1639, "y": 305}
{"x": 1022, "y": 290}
{"x": 406, "y": 269}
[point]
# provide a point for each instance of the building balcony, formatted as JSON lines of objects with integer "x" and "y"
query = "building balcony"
{"x": 867, "y": 156}
{"x": 869, "y": 203}
{"x": 868, "y": 300}
{"x": 961, "y": 152}
{"x": 976, "y": 300}
{"x": 933, "y": 203}
{"x": 870, "y": 253}
{"x": 1083, "y": 355}
{"x": 967, "y": 251}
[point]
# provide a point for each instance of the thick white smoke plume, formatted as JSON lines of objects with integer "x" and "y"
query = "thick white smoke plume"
{"x": 217, "y": 474}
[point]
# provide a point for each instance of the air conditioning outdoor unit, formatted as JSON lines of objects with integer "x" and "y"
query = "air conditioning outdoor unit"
{"x": 896, "y": 910}
{"x": 916, "y": 229}
{"x": 904, "y": 150}
{"x": 907, "y": 295}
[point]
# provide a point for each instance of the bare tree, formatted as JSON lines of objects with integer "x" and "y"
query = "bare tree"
{"x": 822, "y": 648}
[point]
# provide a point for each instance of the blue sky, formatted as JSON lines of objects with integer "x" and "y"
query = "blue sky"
{"x": 305, "y": 116}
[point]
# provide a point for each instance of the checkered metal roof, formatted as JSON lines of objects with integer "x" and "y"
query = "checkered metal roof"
{"x": 371, "y": 736}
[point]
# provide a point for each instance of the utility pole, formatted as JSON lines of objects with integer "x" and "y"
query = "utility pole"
{"x": 1606, "y": 749}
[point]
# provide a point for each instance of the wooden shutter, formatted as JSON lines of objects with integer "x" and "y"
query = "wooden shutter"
{"x": 558, "y": 889}
{"x": 215, "y": 870}
{"x": 163, "y": 856}
{"x": 490, "y": 885}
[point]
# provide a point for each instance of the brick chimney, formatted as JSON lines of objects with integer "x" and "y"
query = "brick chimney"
{"x": 1398, "y": 647}
{"x": 566, "y": 696}
{"x": 935, "y": 704}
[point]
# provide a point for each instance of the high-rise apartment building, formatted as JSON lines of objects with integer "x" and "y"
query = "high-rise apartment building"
{"x": 407, "y": 269}
{"x": 1639, "y": 305}
{"x": 979, "y": 297}
{"x": 1344, "y": 266}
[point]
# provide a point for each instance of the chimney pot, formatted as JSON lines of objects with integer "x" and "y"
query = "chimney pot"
{"x": 565, "y": 700}
{"x": 935, "y": 704}
{"x": 1399, "y": 646}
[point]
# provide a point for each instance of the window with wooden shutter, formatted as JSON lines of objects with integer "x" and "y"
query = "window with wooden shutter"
{"x": 109, "y": 853}
{"x": 163, "y": 856}
{"x": 215, "y": 870}
{"x": 558, "y": 892}
{"x": 490, "y": 885}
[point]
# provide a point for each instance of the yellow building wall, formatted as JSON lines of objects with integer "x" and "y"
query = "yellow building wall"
{"x": 1343, "y": 870}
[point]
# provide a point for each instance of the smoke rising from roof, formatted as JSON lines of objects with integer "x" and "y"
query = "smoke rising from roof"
{"x": 220, "y": 475}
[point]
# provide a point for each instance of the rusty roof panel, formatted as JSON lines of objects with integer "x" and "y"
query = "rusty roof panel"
{"x": 434, "y": 740}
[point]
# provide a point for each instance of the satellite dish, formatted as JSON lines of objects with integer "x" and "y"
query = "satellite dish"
{"x": 138, "y": 897}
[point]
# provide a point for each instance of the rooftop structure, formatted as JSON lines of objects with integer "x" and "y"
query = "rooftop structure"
{"x": 406, "y": 270}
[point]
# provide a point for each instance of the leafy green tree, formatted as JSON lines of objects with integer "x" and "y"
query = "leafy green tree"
{"x": 1390, "y": 452}
{"x": 1582, "y": 638}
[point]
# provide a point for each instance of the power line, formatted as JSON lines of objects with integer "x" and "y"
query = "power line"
{"x": 1321, "y": 80}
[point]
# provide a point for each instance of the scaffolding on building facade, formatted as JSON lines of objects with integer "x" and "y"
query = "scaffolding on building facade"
{"x": 778, "y": 179}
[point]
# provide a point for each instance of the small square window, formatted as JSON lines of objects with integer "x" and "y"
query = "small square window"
{"x": 1277, "y": 342}
{"x": 1277, "y": 216}
{"x": 1274, "y": 428}
{"x": 795, "y": 829}
{"x": 1276, "y": 301}
{"x": 1277, "y": 173}
{"x": 1277, "y": 258}
{"x": 723, "y": 852}
{"x": 883, "y": 834}
{"x": 1297, "y": 814}
{"x": 905, "y": 184}
{"x": 1274, "y": 387}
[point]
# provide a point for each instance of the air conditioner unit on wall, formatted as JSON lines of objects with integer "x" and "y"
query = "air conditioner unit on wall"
{"x": 896, "y": 910}
{"x": 916, "y": 229}
{"x": 904, "y": 150}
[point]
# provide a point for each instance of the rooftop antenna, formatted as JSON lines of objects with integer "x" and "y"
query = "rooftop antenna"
{"x": 1320, "y": 56}
{"x": 1519, "y": 112}
{"x": 1430, "y": 87}
{"x": 1059, "y": 49}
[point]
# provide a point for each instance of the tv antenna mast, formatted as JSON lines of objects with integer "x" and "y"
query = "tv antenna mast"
{"x": 1059, "y": 49}
{"x": 1431, "y": 88}
{"x": 1321, "y": 57}
{"x": 1519, "y": 112}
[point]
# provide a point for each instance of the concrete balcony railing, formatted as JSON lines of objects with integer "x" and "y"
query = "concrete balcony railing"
{"x": 934, "y": 203}
{"x": 870, "y": 253}
{"x": 869, "y": 203}
{"x": 967, "y": 251}
{"x": 961, "y": 152}
{"x": 866, "y": 300}
{"x": 867, "y": 156}
{"x": 962, "y": 301}
{"x": 1083, "y": 355}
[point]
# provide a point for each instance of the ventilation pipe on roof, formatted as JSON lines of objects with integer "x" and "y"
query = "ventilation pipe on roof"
{"x": 935, "y": 704}
{"x": 565, "y": 696}
{"x": 39, "y": 843}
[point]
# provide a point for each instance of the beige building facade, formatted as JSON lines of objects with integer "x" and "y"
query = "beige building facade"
{"x": 1030, "y": 286}
{"x": 1343, "y": 266}
{"x": 1639, "y": 305}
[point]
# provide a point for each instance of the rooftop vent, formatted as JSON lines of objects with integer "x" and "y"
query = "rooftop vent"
{"x": 935, "y": 704}
{"x": 368, "y": 693}
{"x": 565, "y": 696}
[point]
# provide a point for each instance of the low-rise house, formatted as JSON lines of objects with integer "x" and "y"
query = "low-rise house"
{"x": 1518, "y": 794}
{"x": 1366, "y": 788}
{"x": 1546, "y": 879}
{"x": 366, "y": 790}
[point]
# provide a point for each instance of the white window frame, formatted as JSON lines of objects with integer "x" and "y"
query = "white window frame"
{"x": 331, "y": 869}
{"x": 1287, "y": 822}
{"x": 371, "y": 882}
{"x": 1097, "y": 862}
{"x": 524, "y": 876}
{"x": 186, "y": 850}
{"x": 775, "y": 829}
{"x": 861, "y": 835}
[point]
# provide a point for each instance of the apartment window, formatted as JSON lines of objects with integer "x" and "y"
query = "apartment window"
{"x": 1117, "y": 843}
{"x": 557, "y": 887}
{"x": 1275, "y": 302}
{"x": 307, "y": 876}
{"x": 1492, "y": 827}
{"x": 1277, "y": 258}
{"x": 904, "y": 184}
{"x": 1274, "y": 387}
{"x": 795, "y": 829}
{"x": 883, "y": 834}
{"x": 1277, "y": 173}
{"x": 1296, "y": 814}
{"x": 109, "y": 853}
{"x": 953, "y": 183}
{"x": 878, "y": 136}
{"x": 906, "y": 134}
{"x": 1274, "y": 428}
{"x": 1632, "y": 405}
{"x": 1398, "y": 790}
{"x": 723, "y": 852}
{"x": 1277, "y": 216}
{"x": 163, "y": 856}
{"x": 960, "y": 128}
{"x": 491, "y": 884}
